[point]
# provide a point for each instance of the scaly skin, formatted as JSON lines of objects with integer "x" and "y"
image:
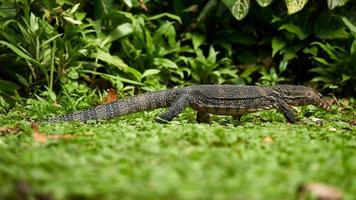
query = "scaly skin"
{"x": 205, "y": 99}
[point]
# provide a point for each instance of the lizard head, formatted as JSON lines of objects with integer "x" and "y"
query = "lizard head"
{"x": 297, "y": 95}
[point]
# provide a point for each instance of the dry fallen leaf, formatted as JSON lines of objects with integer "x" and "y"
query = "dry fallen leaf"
{"x": 110, "y": 97}
{"x": 319, "y": 191}
{"x": 143, "y": 5}
{"x": 39, "y": 137}
{"x": 267, "y": 140}
{"x": 9, "y": 130}
{"x": 331, "y": 100}
{"x": 352, "y": 122}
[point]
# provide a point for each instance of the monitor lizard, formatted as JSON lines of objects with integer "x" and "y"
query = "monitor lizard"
{"x": 233, "y": 100}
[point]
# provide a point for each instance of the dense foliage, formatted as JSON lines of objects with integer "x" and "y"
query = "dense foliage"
{"x": 69, "y": 47}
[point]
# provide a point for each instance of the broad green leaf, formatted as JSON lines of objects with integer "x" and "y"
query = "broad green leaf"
{"x": 264, "y": 3}
{"x": 321, "y": 60}
{"x": 329, "y": 26}
{"x": 238, "y": 8}
{"x": 120, "y": 31}
{"x": 117, "y": 62}
{"x": 19, "y": 52}
{"x": 165, "y": 63}
{"x": 150, "y": 72}
{"x": 345, "y": 78}
{"x": 312, "y": 50}
{"x": 294, "y": 6}
{"x": 349, "y": 24}
{"x": 251, "y": 69}
{"x": 128, "y": 3}
{"x": 74, "y": 8}
{"x": 277, "y": 44}
{"x": 212, "y": 55}
{"x": 197, "y": 40}
{"x": 293, "y": 29}
{"x": 72, "y": 20}
{"x": 321, "y": 79}
{"x": 166, "y": 30}
{"x": 22, "y": 80}
{"x": 335, "y": 3}
{"x": 283, "y": 66}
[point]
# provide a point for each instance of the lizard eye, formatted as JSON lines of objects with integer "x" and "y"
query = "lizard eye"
{"x": 310, "y": 93}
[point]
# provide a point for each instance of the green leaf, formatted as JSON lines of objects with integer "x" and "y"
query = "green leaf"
{"x": 165, "y": 63}
{"x": 166, "y": 30}
{"x": 321, "y": 60}
{"x": 353, "y": 47}
{"x": 312, "y": 50}
{"x": 8, "y": 87}
{"x": 349, "y": 25}
{"x": 294, "y": 29}
{"x": 329, "y": 49}
{"x": 249, "y": 71}
{"x": 72, "y": 20}
{"x": 128, "y": 3}
{"x": 120, "y": 31}
{"x": 283, "y": 66}
{"x": 74, "y": 8}
{"x": 19, "y": 52}
{"x": 329, "y": 26}
{"x": 264, "y": 3}
{"x": 238, "y": 8}
{"x": 50, "y": 39}
{"x": 117, "y": 62}
{"x": 212, "y": 55}
{"x": 197, "y": 40}
{"x": 111, "y": 77}
{"x": 336, "y": 3}
{"x": 22, "y": 80}
{"x": 207, "y": 9}
{"x": 150, "y": 72}
{"x": 169, "y": 15}
{"x": 321, "y": 79}
{"x": 277, "y": 44}
{"x": 294, "y": 6}
{"x": 345, "y": 78}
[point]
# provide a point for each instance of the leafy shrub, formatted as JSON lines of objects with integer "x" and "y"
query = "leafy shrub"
{"x": 67, "y": 48}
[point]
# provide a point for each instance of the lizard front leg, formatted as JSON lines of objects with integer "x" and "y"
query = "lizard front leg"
{"x": 175, "y": 109}
{"x": 287, "y": 111}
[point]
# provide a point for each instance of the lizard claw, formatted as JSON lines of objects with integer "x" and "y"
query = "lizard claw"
{"x": 161, "y": 120}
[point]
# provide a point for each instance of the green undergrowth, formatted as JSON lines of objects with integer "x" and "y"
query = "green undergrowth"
{"x": 132, "y": 157}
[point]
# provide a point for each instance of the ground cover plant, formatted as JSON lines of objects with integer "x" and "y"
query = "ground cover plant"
{"x": 62, "y": 56}
{"x": 133, "y": 157}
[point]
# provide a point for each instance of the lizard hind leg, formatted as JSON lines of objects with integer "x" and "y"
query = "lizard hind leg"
{"x": 236, "y": 117}
{"x": 175, "y": 109}
{"x": 203, "y": 117}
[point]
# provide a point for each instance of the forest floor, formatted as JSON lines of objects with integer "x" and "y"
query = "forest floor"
{"x": 133, "y": 157}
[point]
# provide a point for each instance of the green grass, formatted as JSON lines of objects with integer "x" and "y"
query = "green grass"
{"x": 132, "y": 157}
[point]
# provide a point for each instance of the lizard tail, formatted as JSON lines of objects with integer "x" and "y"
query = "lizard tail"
{"x": 120, "y": 107}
